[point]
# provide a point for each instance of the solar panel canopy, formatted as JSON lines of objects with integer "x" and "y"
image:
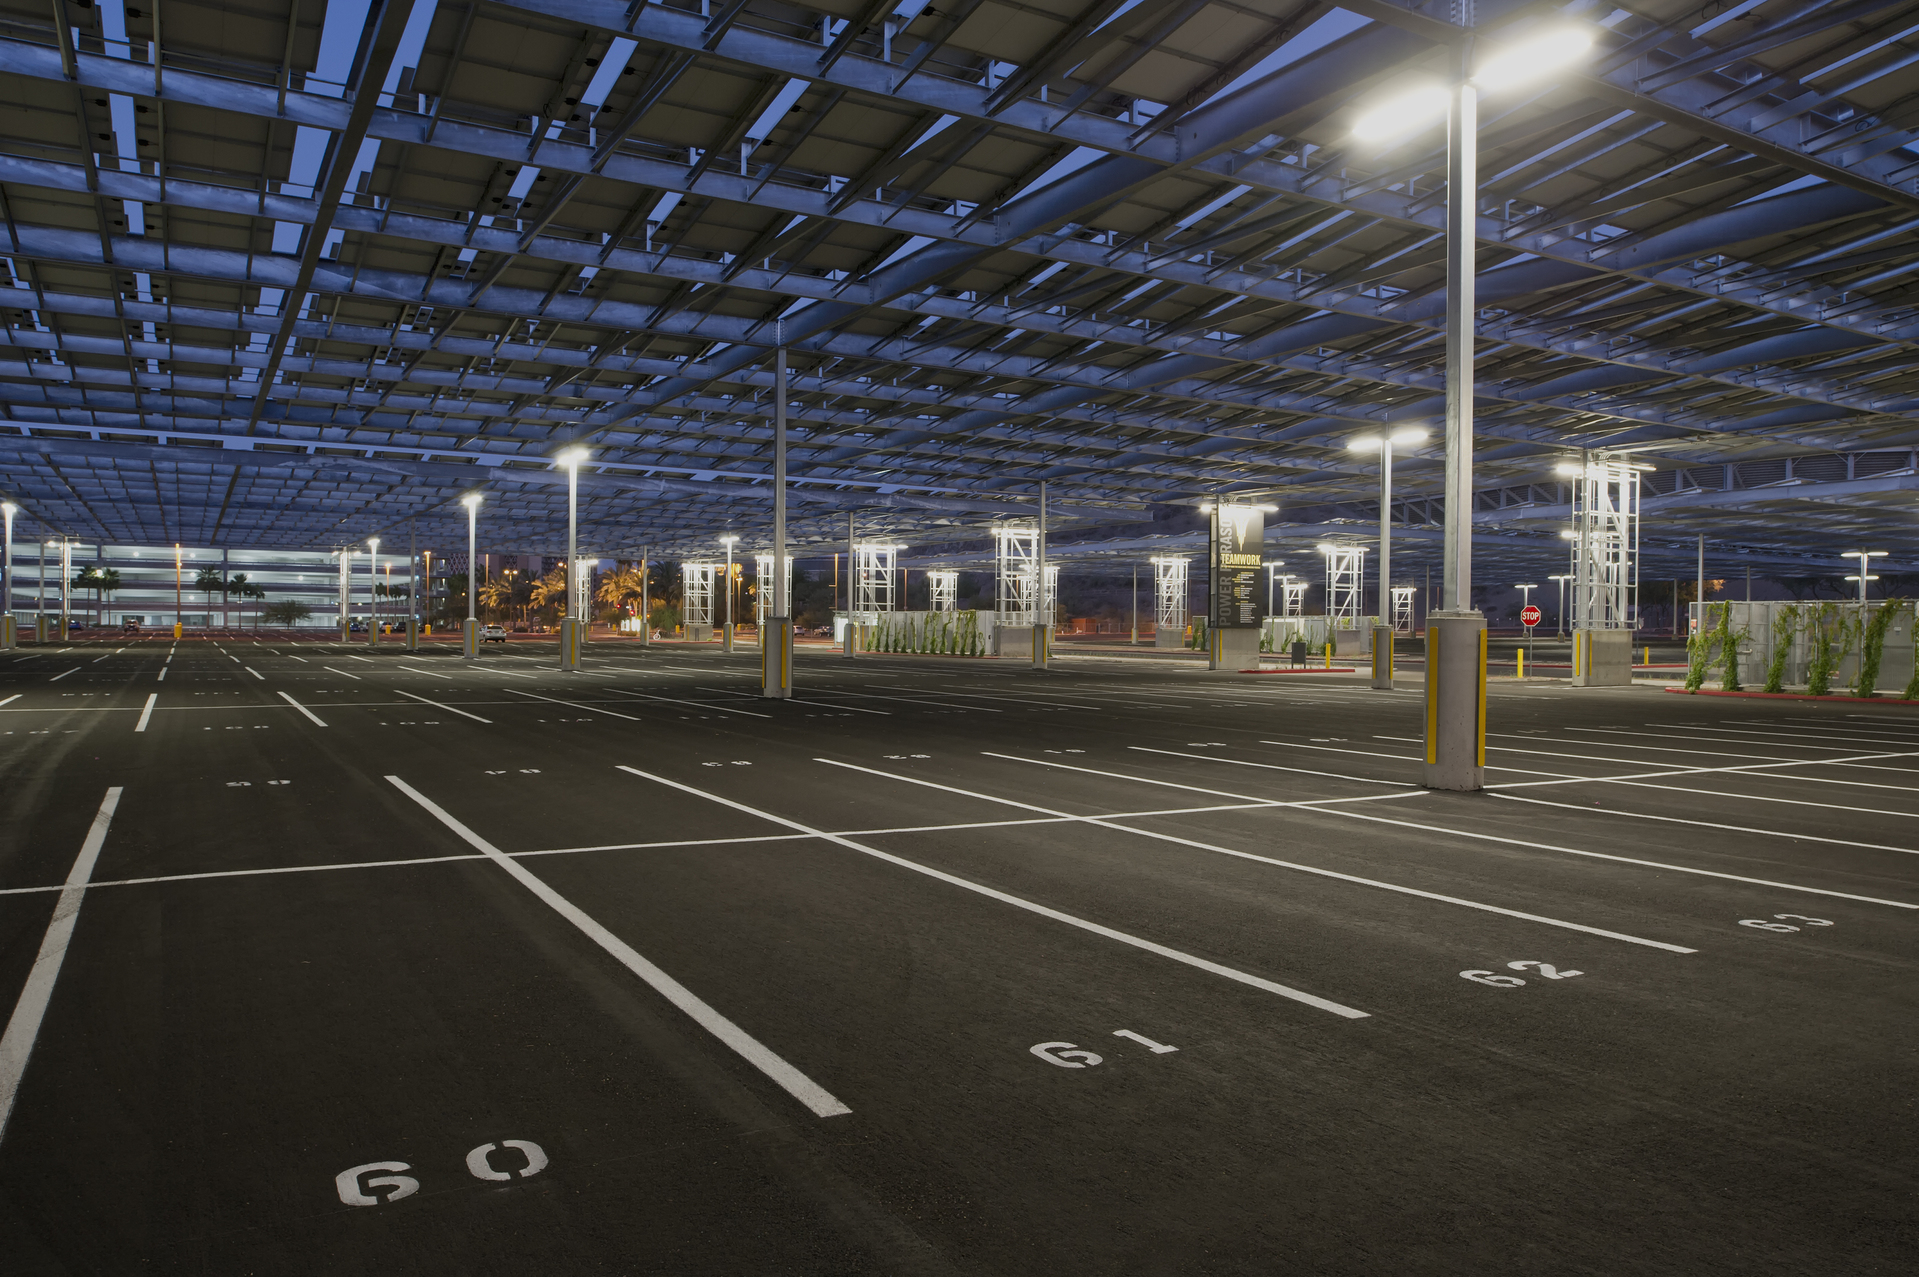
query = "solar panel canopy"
{"x": 290, "y": 275}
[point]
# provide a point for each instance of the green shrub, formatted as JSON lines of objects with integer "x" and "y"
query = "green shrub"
{"x": 1699, "y": 650}
{"x": 1729, "y": 649}
{"x": 1829, "y": 631}
{"x": 1872, "y": 647}
{"x": 1785, "y": 624}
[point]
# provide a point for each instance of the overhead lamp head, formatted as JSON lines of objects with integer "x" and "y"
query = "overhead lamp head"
{"x": 1568, "y": 468}
{"x": 1410, "y": 434}
{"x": 1397, "y": 117}
{"x": 1529, "y": 60}
{"x": 1526, "y": 585}
{"x": 472, "y": 500}
{"x": 9, "y": 509}
{"x": 728, "y": 539}
{"x": 572, "y": 457}
{"x": 374, "y": 542}
{"x": 1365, "y": 443}
{"x": 1567, "y": 534}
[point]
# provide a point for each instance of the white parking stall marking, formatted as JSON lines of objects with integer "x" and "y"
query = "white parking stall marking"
{"x": 146, "y": 713}
{"x": 417, "y": 669}
{"x": 674, "y": 700}
{"x": 1137, "y": 942}
{"x": 1713, "y": 824}
{"x": 11, "y": 699}
{"x": 448, "y": 708}
{"x": 57, "y": 677}
{"x": 303, "y": 709}
{"x": 369, "y": 660}
{"x": 256, "y": 673}
{"x": 342, "y": 673}
{"x": 1628, "y": 860}
{"x": 1321, "y": 804}
{"x": 23, "y": 1029}
{"x": 574, "y": 705}
{"x": 795, "y": 1083}
{"x": 1303, "y": 771}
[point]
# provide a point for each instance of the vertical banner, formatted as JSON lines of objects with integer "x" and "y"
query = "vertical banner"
{"x": 1238, "y": 540}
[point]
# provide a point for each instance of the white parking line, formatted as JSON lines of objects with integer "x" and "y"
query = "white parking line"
{"x": 11, "y": 699}
{"x": 369, "y": 660}
{"x": 749, "y": 1048}
{"x": 57, "y": 677}
{"x": 256, "y": 673}
{"x": 573, "y": 704}
{"x": 23, "y": 1029}
{"x": 1600, "y": 855}
{"x": 448, "y": 708}
{"x": 146, "y": 713}
{"x": 342, "y": 673}
{"x": 303, "y": 709}
{"x": 415, "y": 669}
{"x": 1713, "y": 824}
{"x": 1137, "y": 942}
{"x": 674, "y": 700}
{"x": 1287, "y": 864}
{"x": 1303, "y": 771}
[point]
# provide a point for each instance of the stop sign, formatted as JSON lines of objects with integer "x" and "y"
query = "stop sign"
{"x": 1529, "y": 615}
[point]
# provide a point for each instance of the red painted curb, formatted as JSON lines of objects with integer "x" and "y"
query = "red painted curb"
{"x": 1337, "y": 669}
{"x": 1797, "y": 696}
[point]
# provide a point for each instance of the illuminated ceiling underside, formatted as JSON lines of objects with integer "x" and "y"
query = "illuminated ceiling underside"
{"x": 321, "y": 269}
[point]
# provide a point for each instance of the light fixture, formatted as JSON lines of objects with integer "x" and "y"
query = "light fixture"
{"x": 1530, "y": 59}
{"x": 1567, "y": 534}
{"x": 374, "y": 543}
{"x": 1505, "y": 69}
{"x": 572, "y": 457}
{"x": 728, "y": 539}
{"x": 472, "y": 500}
{"x": 1569, "y": 468}
{"x": 1403, "y": 114}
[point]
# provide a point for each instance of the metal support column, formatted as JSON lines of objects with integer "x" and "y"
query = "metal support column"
{"x": 852, "y": 633}
{"x": 9, "y": 636}
{"x": 776, "y": 632}
{"x": 1383, "y": 623}
{"x": 1456, "y": 635}
{"x": 1043, "y": 615}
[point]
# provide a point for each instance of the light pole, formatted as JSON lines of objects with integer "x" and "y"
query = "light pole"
{"x": 726, "y": 634}
{"x": 1383, "y": 624}
{"x": 1559, "y": 622}
{"x": 1865, "y": 558}
{"x": 570, "y": 627}
{"x": 1456, "y": 635}
{"x": 9, "y": 639}
{"x": 470, "y": 632}
{"x": 372, "y": 584}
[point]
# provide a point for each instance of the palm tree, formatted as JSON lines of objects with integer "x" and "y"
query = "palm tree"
{"x": 495, "y": 593}
{"x": 245, "y": 589}
{"x": 88, "y": 578}
{"x": 624, "y": 583}
{"x": 209, "y": 580}
{"x": 108, "y": 581}
{"x": 550, "y": 588}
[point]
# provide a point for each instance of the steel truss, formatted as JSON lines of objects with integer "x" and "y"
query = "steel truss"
{"x": 696, "y": 586}
{"x": 1605, "y": 544}
{"x": 1345, "y": 585}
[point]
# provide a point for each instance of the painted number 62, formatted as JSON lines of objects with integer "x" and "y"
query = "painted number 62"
{"x": 1760, "y": 924}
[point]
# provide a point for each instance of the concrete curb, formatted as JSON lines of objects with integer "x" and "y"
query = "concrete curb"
{"x": 1797, "y": 696}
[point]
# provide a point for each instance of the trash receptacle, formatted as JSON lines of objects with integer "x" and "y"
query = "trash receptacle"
{"x": 1299, "y": 652}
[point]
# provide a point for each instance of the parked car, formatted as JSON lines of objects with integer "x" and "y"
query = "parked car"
{"x": 130, "y": 626}
{"x": 493, "y": 634}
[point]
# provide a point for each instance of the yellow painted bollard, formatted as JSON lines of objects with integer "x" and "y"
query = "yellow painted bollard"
{"x": 1329, "y": 656}
{"x": 1648, "y": 660}
{"x": 1522, "y": 663}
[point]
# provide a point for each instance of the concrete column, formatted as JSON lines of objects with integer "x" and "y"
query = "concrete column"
{"x": 9, "y": 638}
{"x": 646, "y": 606}
{"x": 1455, "y": 701}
